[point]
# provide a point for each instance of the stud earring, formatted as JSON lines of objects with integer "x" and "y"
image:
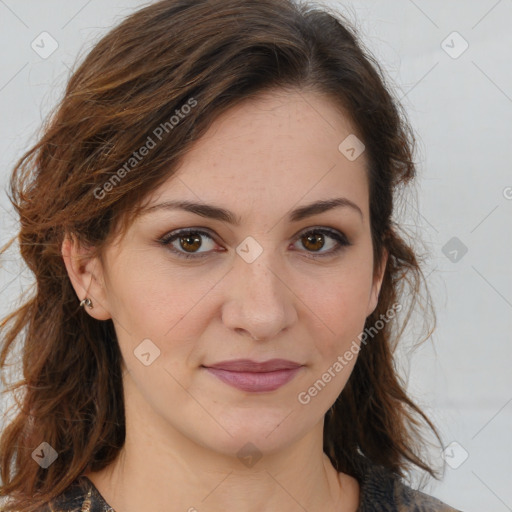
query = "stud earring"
{"x": 86, "y": 302}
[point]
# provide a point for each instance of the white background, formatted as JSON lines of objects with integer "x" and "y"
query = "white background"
{"x": 461, "y": 110}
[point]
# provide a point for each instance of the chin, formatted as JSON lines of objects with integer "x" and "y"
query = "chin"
{"x": 249, "y": 445}
{"x": 253, "y": 431}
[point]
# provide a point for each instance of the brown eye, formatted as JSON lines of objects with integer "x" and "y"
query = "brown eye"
{"x": 190, "y": 243}
{"x": 187, "y": 242}
{"x": 313, "y": 242}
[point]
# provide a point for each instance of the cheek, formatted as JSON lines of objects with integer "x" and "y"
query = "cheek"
{"x": 153, "y": 303}
{"x": 172, "y": 308}
{"x": 155, "y": 297}
{"x": 340, "y": 303}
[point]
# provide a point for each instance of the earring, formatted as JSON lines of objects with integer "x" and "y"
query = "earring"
{"x": 86, "y": 302}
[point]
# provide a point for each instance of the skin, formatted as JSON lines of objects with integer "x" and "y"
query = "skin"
{"x": 260, "y": 160}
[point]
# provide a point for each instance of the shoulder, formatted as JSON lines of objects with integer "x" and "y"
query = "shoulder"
{"x": 382, "y": 491}
{"x": 80, "y": 496}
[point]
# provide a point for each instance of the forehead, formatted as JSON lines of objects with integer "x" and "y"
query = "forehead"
{"x": 269, "y": 152}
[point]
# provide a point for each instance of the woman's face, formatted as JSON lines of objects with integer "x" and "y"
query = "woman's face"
{"x": 275, "y": 285}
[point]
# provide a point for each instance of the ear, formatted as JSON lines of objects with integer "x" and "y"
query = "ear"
{"x": 86, "y": 275}
{"x": 377, "y": 283}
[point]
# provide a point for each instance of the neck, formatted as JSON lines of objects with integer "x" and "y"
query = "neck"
{"x": 160, "y": 468}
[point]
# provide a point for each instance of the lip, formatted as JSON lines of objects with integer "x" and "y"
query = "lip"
{"x": 248, "y": 365}
{"x": 253, "y": 376}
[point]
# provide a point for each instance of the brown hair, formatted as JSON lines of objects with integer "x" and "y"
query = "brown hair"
{"x": 209, "y": 55}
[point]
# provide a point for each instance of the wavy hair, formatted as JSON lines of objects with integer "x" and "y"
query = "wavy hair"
{"x": 209, "y": 55}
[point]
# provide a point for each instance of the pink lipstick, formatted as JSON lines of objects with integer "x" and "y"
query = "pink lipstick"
{"x": 253, "y": 376}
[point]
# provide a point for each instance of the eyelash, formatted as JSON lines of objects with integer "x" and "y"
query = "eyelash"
{"x": 171, "y": 237}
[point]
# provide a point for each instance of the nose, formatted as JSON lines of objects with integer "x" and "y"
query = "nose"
{"x": 259, "y": 303}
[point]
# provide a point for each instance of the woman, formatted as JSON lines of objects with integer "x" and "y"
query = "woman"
{"x": 219, "y": 279}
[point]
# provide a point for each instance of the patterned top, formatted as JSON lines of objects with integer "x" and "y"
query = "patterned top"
{"x": 380, "y": 491}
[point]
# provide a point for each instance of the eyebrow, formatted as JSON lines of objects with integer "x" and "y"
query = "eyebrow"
{"x": 218, "y": 213}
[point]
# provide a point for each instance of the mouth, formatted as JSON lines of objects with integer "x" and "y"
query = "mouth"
{"x": 253, "y": 376}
